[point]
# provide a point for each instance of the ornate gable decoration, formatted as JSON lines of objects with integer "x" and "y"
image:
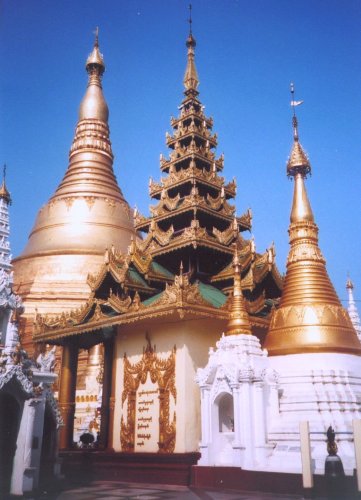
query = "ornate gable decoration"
{"x": 148, "y": 393}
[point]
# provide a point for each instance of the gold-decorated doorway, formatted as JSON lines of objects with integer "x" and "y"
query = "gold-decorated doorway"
{"x": 148, "y": 396}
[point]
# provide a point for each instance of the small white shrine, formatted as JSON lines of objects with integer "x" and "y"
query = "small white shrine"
{"x": 28, "y": 411}
{"x": 239, "y": 393}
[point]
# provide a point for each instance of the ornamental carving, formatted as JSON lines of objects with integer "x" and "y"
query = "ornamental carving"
{"x": 182, "y": 292}
{"x": 161, "y": 372}
{"x": 245, "y": 220}
{"x": 165, "y": 205}
{"x": 225, "y": 237}
{"x": 305, "y": 251}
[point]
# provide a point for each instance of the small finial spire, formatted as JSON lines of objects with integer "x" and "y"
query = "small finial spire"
{"x": 96, "y": 33}
{"x": 95, "y": 62}
{"x": 4, "y": 193}
{"x": 191, "y": 77}
{"x": 294, "y": 118}
{"x": 298, "y": 162}
{"x": 190, "y": 19}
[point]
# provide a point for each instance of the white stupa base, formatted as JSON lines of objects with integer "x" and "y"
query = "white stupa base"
{"x": 323, "y": 389}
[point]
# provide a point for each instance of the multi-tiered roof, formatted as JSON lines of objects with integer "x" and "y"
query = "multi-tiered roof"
{"x": 192, "y": 231}
{"x": 193, "y": 220}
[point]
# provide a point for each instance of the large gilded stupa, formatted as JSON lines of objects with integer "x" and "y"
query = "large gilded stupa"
{"x": 86, "y": 214}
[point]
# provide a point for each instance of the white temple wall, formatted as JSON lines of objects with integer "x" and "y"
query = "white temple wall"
{"x": 192, "y": 339}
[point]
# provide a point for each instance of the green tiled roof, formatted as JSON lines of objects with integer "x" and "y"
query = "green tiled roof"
{"x": 157, "y": 268}
{"x": 150, "y": 301}
{"x": 135, "y": 277}
{"x": 212, "y": 295}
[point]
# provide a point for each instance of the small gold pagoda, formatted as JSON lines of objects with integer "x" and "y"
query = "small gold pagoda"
{"x": 310, "y": 317}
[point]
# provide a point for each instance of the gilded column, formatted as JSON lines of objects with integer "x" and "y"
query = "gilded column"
{"x": 69, "y": 366}
{"x": 113, "y": 371}
{"x": 106, "y": 393}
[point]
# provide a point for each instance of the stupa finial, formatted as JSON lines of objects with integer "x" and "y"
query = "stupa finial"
{"x": 4, "y": 193}
{"x": 95, "y": 62}
{"x": 190, "y": 79}
{"x": 190, "y": 19}
{"x": 298, "y": 162}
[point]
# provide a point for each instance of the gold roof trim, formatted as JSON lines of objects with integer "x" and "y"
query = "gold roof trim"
{"x": 182, "y": 297}
{"x": 187, "y": 153}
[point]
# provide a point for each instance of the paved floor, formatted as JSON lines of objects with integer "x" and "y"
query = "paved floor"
{"x": 110, "y": 490}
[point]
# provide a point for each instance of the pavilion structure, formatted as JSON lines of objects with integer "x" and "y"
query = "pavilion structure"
{"x": 158, "y": 306}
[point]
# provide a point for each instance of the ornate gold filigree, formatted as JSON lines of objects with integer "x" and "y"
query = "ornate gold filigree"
{"x": 161, "y": 372}
{"x": 225, "y": 237}
{"x": 165, "y": 205}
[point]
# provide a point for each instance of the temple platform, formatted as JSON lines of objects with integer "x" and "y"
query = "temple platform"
{"x": 180, "y": 469}
{"x": 157, "y": 468}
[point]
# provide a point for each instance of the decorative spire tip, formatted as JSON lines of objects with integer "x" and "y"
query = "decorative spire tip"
{"x": 298, "y": 162}
{"x": 96, "y": 40}
{"x": 190, "y": 19}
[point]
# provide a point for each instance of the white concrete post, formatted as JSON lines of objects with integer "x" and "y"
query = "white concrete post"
{"x": 205, "y": 425}
{"x": 22, "y": 478}
{"x": 357, "y": 443}
{"x": 259, "y": 414}
{"x": 247, "y": 417}
{"x": 237, "y": 446}
{"x": 307, "y": 476}
{"x": 205, "y": 411}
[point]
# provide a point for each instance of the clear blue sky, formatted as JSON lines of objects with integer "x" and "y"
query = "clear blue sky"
{"x": 247, "y": 53}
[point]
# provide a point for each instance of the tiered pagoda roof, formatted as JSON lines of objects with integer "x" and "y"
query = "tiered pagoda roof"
{"x": 184, "y": 261}
{"x": 193, "y": 220}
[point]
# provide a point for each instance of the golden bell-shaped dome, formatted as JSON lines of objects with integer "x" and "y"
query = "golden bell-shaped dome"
{"x": 86, "y": 214}
{"x": 310, "y": 317}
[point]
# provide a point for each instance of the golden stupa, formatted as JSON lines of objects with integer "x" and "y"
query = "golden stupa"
{"x": 86, "y": 214}
{"x": 310, "y": 317}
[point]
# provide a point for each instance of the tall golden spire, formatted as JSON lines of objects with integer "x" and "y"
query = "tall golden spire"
{"x": 239, "y": 321}
{"x": 190, "y": 79}
{"x": 310, "y": 317}
{"x": 87, "y": 212}
{"x": 91, "y": 158}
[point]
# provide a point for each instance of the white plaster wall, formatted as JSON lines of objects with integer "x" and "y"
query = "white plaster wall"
{"x": 192, "y": 339}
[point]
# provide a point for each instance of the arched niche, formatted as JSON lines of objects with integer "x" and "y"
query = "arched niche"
{"x": 225, "y": 412}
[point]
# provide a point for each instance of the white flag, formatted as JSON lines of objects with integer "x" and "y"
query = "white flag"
{"x": 296, "y": 103}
